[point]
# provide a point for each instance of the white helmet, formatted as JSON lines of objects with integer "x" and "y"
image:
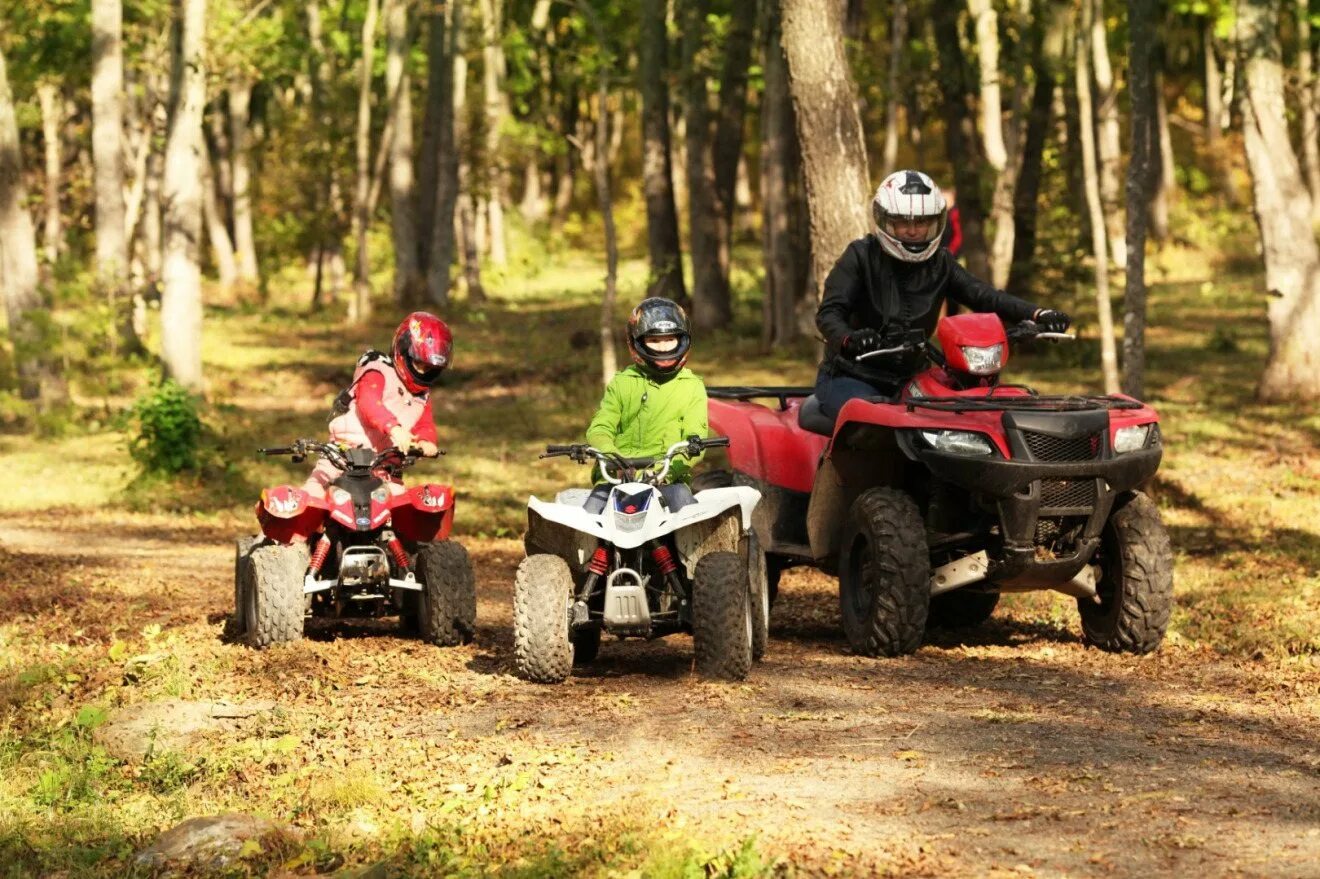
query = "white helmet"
{"x": 909, "y": 195}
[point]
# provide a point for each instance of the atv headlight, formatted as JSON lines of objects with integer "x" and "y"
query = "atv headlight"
{"x": 984, "y": 361}
{"x": 958, "y": 442}
{"x": 1131, "y": 439}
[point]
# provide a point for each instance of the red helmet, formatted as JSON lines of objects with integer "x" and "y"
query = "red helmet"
{"x": 422, "y": 349}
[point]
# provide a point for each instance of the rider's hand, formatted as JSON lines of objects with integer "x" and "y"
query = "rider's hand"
{"x": 859, "y": 342}
{"x": 427, "y": 448}
{"x": 1052, "y": 321}
{"x": 401, "y": 438}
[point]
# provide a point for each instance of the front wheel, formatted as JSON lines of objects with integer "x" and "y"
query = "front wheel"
{"x": 447, "y": 604}
{"x": 1136, "y": 580}
{"x": 542, "y": 593}
{"x": 884, "y": 574}
{"x": 722, "y": 617}
{"x": 273, "y": 594}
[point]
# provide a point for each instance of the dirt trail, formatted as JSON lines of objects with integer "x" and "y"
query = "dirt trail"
{"x": 1015, "y": 751}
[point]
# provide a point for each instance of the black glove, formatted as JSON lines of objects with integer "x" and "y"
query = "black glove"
{"x": 859, "y": 342}
{"x": 1052, "y": 321}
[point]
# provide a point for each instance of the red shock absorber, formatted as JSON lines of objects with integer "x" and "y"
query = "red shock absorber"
{"x": 396, "y": 549}
{"x": 663, "y": 560}
{"x": 600, "y": 562}
{"x": 319, "y": 555}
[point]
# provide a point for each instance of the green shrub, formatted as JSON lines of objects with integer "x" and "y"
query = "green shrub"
{"x": 168, "y": 430}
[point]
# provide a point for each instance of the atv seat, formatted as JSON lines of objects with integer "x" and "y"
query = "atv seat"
{"x": 811, "y": 418}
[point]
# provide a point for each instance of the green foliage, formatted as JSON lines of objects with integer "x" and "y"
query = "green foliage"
{"x": 168, "y": 430}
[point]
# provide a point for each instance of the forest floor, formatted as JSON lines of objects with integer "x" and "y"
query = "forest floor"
{"x": 1007, "y": 751}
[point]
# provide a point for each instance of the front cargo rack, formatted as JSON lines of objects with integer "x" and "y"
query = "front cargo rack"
{"x": 1034, "y": 403}
{"x": 753, "y": 392}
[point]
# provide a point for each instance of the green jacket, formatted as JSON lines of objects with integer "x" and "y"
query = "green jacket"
{"x": 639, "y": 416}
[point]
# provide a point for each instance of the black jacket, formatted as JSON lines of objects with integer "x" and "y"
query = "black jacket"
{"x": 869, "y": 288}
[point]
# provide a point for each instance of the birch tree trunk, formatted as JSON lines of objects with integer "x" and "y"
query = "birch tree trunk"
{"x": 608, "y": 363}
{"x": 1164, "y": 188}
{"x": 657, "y": 167}
{"x": 245, "y": 244}
{"x": 1108, "y": 136}
{"x": 222, "y": 246}
{"x": 181, "y": 296}
{"x": 107, "y": 144}
{"x": 1213, "y": 82}
{"x": 1090, "y": 173}
{"x": 360, "y": 309}
{"x": 1306, "y": 113}
{"x": 1003, "y": 201}
{"x": 464, "y": 198}
{"x": 18, "y": 253}
{"x": 52, "y": 128}
{"x": 788, "y": 305}
{"x": 403, "y": 191}
{"x": 829, "y": 130}
{"x": 1283, "y": 213}
{"x": 898, "y": 28}
{"x": 497, "y": 111}
{"x": 1141, "y": 86}
{"x": 987, "y": 48}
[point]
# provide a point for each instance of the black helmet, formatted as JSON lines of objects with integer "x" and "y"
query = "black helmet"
{"x": 656, "y": 317}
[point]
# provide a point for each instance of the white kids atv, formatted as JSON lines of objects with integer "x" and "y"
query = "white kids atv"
{"x": 654, "y": 560}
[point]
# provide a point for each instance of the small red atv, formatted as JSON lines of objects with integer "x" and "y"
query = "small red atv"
{"x": 929, "y": 506}
{"x": 370, "y": 547}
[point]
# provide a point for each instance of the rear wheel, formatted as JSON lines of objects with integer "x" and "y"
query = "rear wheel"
{"x": 242, "y": 549}
{"x": 542, "y": 593}
{"x": 884, "y": 574}
{"x": 758, "y": 595}
{"x": 447, "y": 605}
{"x": 1136, "y": 580}
{"x": 722, "y": 617}
{"x": 273, "y": 594}
{"x": 961, "y": 609}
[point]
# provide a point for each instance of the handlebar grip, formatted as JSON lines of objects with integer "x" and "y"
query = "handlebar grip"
{"x": 557, "y": 450}
{"x": 284, "y": 450}
{"x": 716, "y": 442}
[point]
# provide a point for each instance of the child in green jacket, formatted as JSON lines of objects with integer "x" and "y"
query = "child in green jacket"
{"x": 655, "y": 402}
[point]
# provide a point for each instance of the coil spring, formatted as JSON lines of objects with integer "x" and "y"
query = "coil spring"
{"x": 600, "y": 562}
{"x": 664, "y": 560}
{"x": 400, "y": 555}
{"x": 319, "y": 555}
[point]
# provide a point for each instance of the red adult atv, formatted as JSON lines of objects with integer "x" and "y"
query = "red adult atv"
{"x": 928, "y": 506}
{"x": 370, "y": 547}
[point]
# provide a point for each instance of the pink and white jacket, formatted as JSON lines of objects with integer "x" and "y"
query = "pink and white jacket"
{"x": 379, "y": 402}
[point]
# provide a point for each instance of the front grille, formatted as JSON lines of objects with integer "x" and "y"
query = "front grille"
{"x": 1044, "y": 447}
{"x": 1067, "y": 493}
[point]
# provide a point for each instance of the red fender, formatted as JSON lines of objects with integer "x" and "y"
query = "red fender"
{"x": 424, "y": 512}
{"x": 767, "y": 444}
{"x": 287, "y": 513}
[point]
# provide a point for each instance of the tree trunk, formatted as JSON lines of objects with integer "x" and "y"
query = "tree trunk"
{"x": 497, "y": 111}
{"x": 1214, "y": 86}
{"x": 408, "y": 281}
{"x": 1141, "y": 86}
{"x": 1003, "y": 202}
{"x": 1283, "y": 213}
{"x": 957, "y": 87}
{"x": 181, "y": 296}
{"x": 829, "y": 130}
{"x": 726, "y": 152}
{"x": 898, "y": 27}
{"x": 785, "y": 232}
{"x": 52, "y": 126}
{"x": 18, "y": 254}
{"x": 245, "y": 245}
{"x": 1306, "y": 113}
{"x": 107, "y": 144}
{"x": 710, "y": 290}
{"x": 1108, "y": 137}
{"x": 462, "y": 169}
{"x": 222, "y": 247}
{"x": 608, "y": 365}
{"x": 657, "y": 168}
{"x": 1055, "y": 20}
{"x": 1164, "y": 188}
{"x": 360, "y": 309}
{"x": 987, "y": 49}
{"x": 1086, "y": 117}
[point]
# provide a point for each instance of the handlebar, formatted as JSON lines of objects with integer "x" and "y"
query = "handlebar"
{"x": 615, "y": 468}
{"x": 391, "y": 458}
{"x": 1026, "y": 329}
